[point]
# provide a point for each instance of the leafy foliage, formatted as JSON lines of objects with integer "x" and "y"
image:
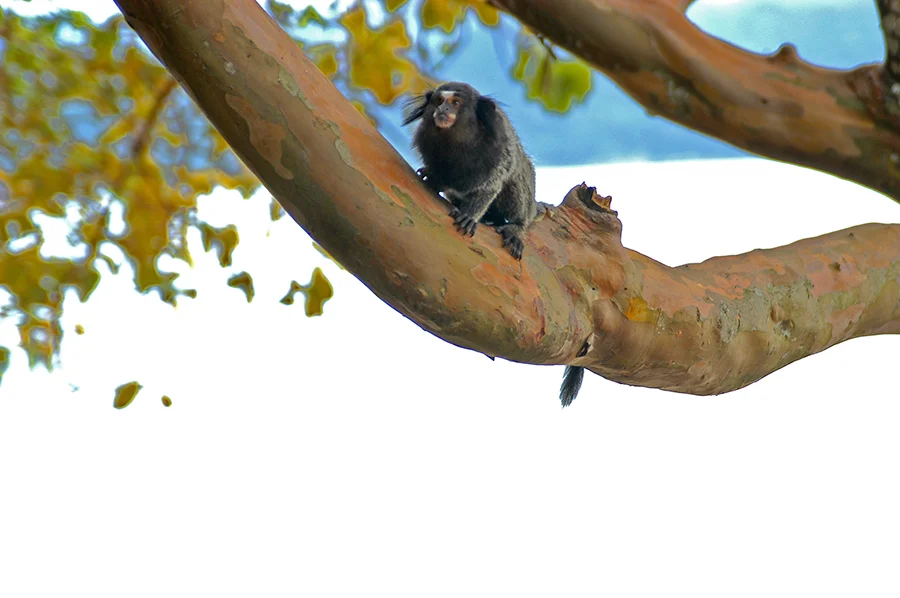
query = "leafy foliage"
{"x": 95, "y": 131}
{"x": 102, "y": 155}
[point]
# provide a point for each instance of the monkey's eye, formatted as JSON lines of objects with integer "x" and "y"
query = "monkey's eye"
{"x": 455, "y": 102}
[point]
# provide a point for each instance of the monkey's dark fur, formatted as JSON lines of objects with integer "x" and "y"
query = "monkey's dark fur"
{"x": 571, "y": 384}
{"x": 472, "y": 154}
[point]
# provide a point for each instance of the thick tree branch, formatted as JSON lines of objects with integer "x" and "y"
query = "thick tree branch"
{"x": 703, "y": 328}
{"x": 778, "y": 106}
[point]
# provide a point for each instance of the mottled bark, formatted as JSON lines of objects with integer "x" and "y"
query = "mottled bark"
{"x": 702, "y": 328}
{"x": 778, "y": 106}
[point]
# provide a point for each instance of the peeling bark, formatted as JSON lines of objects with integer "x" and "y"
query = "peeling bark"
{"x": 701, "y": 328}
{"x": 778, "y": 106}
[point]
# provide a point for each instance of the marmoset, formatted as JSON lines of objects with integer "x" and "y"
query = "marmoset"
{"x": 472, "y": 154}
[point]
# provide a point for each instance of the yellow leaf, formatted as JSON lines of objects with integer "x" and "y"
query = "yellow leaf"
{"x": 447, "y": 14}
{"x": 4, "y": 361}
{"x": 372, "y": 56}
{"x": 288, "y": 299}
{"x": 166, "y": 401}
{"x": 325, "y": 57}
{"x": 125, "y": 394}
{"x": 488, "y": 15}
{"x": 224, "y": 239}
{"x": 317, "y": 292}
{"x": 311, "y": 15}
{"x": 442, "y": 13}
{"x": 244, "y": 282}
{"x": 276, "y": 212}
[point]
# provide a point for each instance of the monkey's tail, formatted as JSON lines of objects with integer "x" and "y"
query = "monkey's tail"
{"x": 571, "y": 384}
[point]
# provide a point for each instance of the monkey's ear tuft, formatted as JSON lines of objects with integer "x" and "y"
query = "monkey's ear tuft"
{"x": 486, "y": 110}
{"x": 414, "y": 108}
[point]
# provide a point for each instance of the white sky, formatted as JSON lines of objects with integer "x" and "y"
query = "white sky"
{"x": 356, "y": 455}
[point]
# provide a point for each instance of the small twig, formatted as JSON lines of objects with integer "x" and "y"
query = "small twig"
{"x": 547, "y": 45}
{"x": 140, "y": 142}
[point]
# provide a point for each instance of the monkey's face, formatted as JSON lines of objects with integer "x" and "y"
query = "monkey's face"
{"x": 455, "y": 109}
{"x": 448, "y": 106}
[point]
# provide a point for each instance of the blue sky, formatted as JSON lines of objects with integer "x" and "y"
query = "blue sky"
{"x": 609, "y": 126}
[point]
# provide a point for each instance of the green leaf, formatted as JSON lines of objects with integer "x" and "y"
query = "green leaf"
{"x": 554, "y": 83}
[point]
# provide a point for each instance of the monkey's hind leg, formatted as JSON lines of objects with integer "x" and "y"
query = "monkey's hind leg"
{"x": 469, "y": 208}
{"x": 512, "y": 239}
{"x": 520, "y": 209}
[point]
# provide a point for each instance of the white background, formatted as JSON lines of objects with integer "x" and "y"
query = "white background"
{"x": 356, "y": 455}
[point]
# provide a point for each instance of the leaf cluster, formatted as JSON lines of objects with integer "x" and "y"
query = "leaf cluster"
{"x": 103, "y": 157}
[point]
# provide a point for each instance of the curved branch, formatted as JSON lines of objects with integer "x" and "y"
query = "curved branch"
{"x": 703, "y": 328}
{"x": 777, "y": 106}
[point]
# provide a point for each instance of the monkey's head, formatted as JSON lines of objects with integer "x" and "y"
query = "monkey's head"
{"x": 454, "y": 107}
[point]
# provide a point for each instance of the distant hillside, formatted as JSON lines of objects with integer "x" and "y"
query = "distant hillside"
{"x": 609, "y": 126}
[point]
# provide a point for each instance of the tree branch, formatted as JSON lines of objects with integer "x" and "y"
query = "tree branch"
{"x": 777, "y": 106}
{"x": 703, "y": 328}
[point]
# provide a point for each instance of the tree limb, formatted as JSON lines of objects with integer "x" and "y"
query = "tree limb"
{"x": 777, "y": 106}
{"x": 702, "y": 328}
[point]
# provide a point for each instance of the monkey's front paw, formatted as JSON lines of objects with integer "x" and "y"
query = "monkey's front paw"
{"x": 464, "y": 222}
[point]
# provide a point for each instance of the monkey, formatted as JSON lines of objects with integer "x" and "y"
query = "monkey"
{"x": 472, "y": 154}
